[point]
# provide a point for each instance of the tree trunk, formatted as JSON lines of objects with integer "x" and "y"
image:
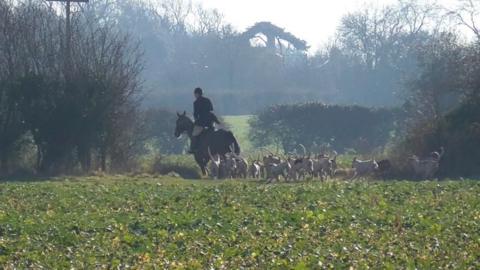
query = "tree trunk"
{"x": 103, "y": 159}
{"x": 3, "y": 163}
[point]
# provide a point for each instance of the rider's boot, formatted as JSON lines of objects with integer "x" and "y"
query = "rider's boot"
{"x": 193, "y": 145}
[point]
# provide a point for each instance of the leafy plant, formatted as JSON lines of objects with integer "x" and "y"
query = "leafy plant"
{"x": 316, "y": 125}
{"x": 145, "y": 222}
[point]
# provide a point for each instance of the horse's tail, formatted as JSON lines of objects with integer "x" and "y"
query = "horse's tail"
{"x": 234, "y": 142}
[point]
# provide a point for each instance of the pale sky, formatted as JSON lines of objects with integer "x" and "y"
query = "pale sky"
{"x": 312, "y": 20}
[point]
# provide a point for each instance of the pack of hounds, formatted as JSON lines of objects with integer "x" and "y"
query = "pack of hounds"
{"x": 293, "y": 167}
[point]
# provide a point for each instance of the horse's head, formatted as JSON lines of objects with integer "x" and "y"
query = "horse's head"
{"x": 184, "y": 124}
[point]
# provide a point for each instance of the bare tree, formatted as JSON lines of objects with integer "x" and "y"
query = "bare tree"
{"x": 373, "y": 33}
{"x": 207, "y": 21}
{"x": 11, "y": 126}
{"x": 468, "y": 14}
{"x": 177, "y": 11}
{"x": 71, "y": 118}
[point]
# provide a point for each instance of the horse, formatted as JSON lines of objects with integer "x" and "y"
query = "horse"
{"x": 220, "y": 142}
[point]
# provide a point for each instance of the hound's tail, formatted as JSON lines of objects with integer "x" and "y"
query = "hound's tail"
{"x": 442, "y": 152}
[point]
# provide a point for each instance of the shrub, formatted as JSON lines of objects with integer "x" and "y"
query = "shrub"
{"x": 159, "y": 129}
{"x": 444, "y": 109}
{"x": 317, "y": 126}
{"x": 458, "y": 132}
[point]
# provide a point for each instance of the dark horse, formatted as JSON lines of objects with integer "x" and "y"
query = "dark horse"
{"x": 219, "y": 141}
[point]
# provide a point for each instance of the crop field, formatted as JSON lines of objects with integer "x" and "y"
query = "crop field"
{"x": 145, "y": 222}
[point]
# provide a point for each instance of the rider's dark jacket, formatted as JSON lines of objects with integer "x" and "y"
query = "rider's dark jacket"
{"x": 203, "y": 112}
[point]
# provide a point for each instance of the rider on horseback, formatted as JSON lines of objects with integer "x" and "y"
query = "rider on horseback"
{"x": 204, "y": 117}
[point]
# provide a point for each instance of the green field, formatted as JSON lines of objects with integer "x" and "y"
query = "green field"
{"x": 141, "y": 222}
{"x": 240, "y": 127}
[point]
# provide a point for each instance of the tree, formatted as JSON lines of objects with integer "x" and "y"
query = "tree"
{"x": 275, "y": 37}
{"x": 467, "y": 14}
{"x": 207, "y": 22}
{"x": 381, "y": 43}
{"x": 71, "y": 119}
{"x": 316, "y": 124}
{"x": 158, "y": 129}
{"x": 444, "y": 107}
{"x": 436, "y": 89}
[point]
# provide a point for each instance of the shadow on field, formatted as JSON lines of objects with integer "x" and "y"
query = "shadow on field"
{"x": 28, "y": 178}
{"x": 32, "y": 178}
{"x": 175, "y": 178}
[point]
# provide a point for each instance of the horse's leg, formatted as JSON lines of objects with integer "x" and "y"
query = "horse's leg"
{"x": 201, "y": 163}
{"x": 203, "y": 166}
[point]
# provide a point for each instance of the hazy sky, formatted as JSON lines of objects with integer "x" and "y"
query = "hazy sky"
{"x": 312, "y": 20}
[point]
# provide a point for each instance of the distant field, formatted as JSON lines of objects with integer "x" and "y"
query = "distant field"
{"x": 156, "y": 223}
{"x": 240, "y": 127}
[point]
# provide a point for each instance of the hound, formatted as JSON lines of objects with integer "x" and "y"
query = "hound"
{"x": 230, "y": 166}
{"x": 427, "y": 168}
{"x": 215, "y": 165}
{"x": 241, "y": 164}
{"x": 255, "y": 170}
{"x": 277, "y": 170}
{"x": 363, "y": 167}
{"x": 323, "y": 166}
{"x": 301, "y": 167}
{"x": 268, "y": 161}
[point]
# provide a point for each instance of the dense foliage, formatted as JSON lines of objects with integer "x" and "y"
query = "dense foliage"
{"x": 444, "y": 107}
{"x": 176, "y": 224}
{"x": 158, "y": 131}
{"x": 77, "y": 109}
{"x": 316, "y": 125}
